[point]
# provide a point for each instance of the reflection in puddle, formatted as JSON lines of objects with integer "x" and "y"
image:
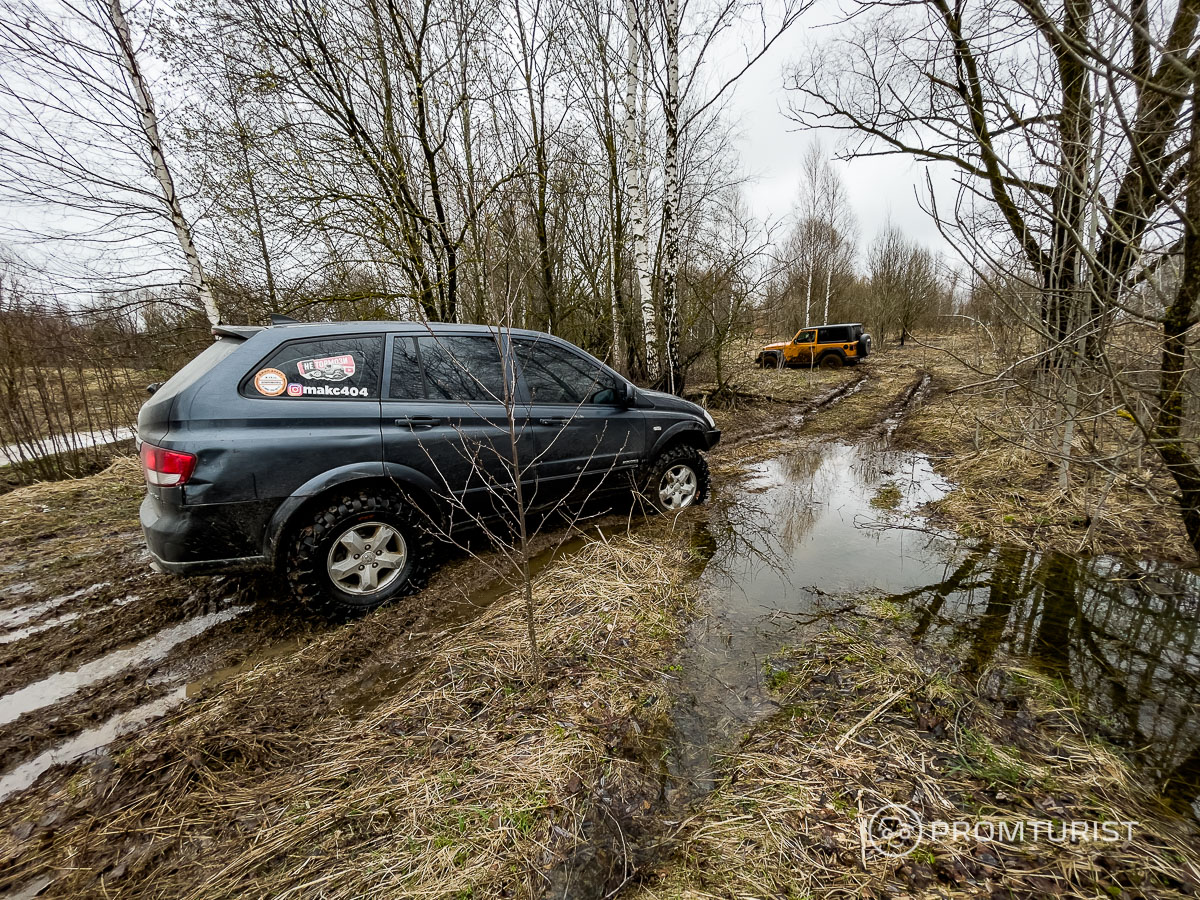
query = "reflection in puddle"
{"x": 1123, "y": 635}
{"x": 61, "y": 685}
{"x": 800, "y": 526}
{"x": 86, "y": 742}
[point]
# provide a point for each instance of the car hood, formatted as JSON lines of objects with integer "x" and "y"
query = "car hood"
{"x": 660, "y": 400}
{"x": 778, "y": 346}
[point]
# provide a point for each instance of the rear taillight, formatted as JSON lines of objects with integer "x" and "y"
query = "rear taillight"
{"x": 166, "y": 468}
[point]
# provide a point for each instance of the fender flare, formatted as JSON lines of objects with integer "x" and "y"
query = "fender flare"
{"x": 672, "y": 436}
{"x": 399, "y": 475}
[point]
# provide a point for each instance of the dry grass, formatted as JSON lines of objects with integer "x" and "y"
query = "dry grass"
{"x": 1008, "y": 492}
{"x": 472, "y": 779}
{"x": 865, "y": 722}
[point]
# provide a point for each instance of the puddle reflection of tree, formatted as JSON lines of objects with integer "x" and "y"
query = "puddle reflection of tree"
{"x": 1124, "y": 638}
{"x": 765, "y": 528}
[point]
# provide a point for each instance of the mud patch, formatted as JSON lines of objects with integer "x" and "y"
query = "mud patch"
{"x": 61, "y": 685}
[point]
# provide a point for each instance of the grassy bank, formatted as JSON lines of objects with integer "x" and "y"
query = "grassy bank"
{"x": 867, "y": 720}
{"x": 1008, "y": 492}
{"x": 473, "y": 778}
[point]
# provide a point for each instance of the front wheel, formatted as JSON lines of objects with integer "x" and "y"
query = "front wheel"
{"x": 677, "y": 479}
{"x": 358, "y": 554}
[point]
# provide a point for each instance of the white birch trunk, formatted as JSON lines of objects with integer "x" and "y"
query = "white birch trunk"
{"x": 635, "y": 187}
{"x": 828, "y": 285}
{"x": 149, "y": 120}
{"x": 808, "y": 296}
{"x": 670, "y": 299}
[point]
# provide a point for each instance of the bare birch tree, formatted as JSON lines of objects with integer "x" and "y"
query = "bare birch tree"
{"x": 82, "y": 133}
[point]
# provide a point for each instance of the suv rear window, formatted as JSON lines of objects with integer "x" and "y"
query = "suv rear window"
{"x": 201, "y": 364}
{"x": 832, "y": 335}
{"x": 345, "y": 368}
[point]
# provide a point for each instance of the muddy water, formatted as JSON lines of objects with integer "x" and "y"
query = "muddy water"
{"x": 821, "y": 526}
{"x": 61, "y": 685}
{"x": 88, "y": 741}
{"x": 801, "y": 529}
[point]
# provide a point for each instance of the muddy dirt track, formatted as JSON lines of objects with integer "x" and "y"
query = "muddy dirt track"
{"x": 99, "y": 656}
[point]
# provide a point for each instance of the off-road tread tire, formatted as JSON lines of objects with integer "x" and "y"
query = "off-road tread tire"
{"x": 652, "y": 472}
{"x": 831, "y": 360}
{"x": 306, "y": 553}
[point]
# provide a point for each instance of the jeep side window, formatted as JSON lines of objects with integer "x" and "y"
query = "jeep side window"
{"x": 462, "y": 367}
{"x": 345, "y": 368}
{"x": 407, "y": 382}
{"x": 805, "y": 337}
{"x": 553, "y": 374}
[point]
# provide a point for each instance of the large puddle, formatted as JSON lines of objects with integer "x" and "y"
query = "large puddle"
{"x": 818, "y": 528}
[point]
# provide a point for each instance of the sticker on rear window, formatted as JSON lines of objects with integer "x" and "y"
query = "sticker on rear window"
{"x": 270, "y": 382}
{"x": 331, "y": 368}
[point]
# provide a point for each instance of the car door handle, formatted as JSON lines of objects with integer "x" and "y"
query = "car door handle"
{"x": 419, "y": 421}
{"x": 553, "y": 420}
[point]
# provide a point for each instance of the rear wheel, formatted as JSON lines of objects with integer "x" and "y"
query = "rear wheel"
{"x": 677, "y": 479}
{"x": 831, "y": 361}
{"x": 359, "y": 553}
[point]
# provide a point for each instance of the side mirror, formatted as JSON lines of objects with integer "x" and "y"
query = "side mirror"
{"x": 626, "y": 395}
{"x": 151, "y": 388}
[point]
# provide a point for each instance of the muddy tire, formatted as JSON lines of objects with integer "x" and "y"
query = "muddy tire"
{"x": 359, "y": 553}
{"x": 676, "y": 479}
{"x": 831, "y": 361}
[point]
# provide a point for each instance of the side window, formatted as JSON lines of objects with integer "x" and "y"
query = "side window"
{"x": 806, "y": 337}
{"x": 553, "y": 374}
{"x": 345, "y": 368}
{"x": 462, "y": 367}
{"x": 406, "y": 383}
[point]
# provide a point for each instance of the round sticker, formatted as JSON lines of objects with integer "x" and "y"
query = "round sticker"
{"x": 271, "y": 382}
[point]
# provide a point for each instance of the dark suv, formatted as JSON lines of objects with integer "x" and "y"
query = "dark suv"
{"x": 339, "y": 452}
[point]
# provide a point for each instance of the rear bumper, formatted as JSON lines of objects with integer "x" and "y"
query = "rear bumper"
{"x": 210, "y": 539}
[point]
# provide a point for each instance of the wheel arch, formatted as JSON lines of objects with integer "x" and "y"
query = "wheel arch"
{"x": 680, "y": 434}
{"x": 392, "y": 478}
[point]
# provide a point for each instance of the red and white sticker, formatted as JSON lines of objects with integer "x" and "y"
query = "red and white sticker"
{"x": 270, "y": 382}
{"x": 331, "y": 368}
{"x": 295, "y": 389}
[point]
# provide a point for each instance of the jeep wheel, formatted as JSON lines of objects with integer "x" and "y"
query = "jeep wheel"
{"x": 358, "y": 554}
{"x": 831, "y": 361}
{"x": 677, "y": 479}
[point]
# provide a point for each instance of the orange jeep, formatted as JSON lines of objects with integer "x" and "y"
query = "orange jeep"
{"x": 827, "y": 346}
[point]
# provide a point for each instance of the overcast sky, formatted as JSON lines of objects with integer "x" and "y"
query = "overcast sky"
{"x": 772, "y": 146}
